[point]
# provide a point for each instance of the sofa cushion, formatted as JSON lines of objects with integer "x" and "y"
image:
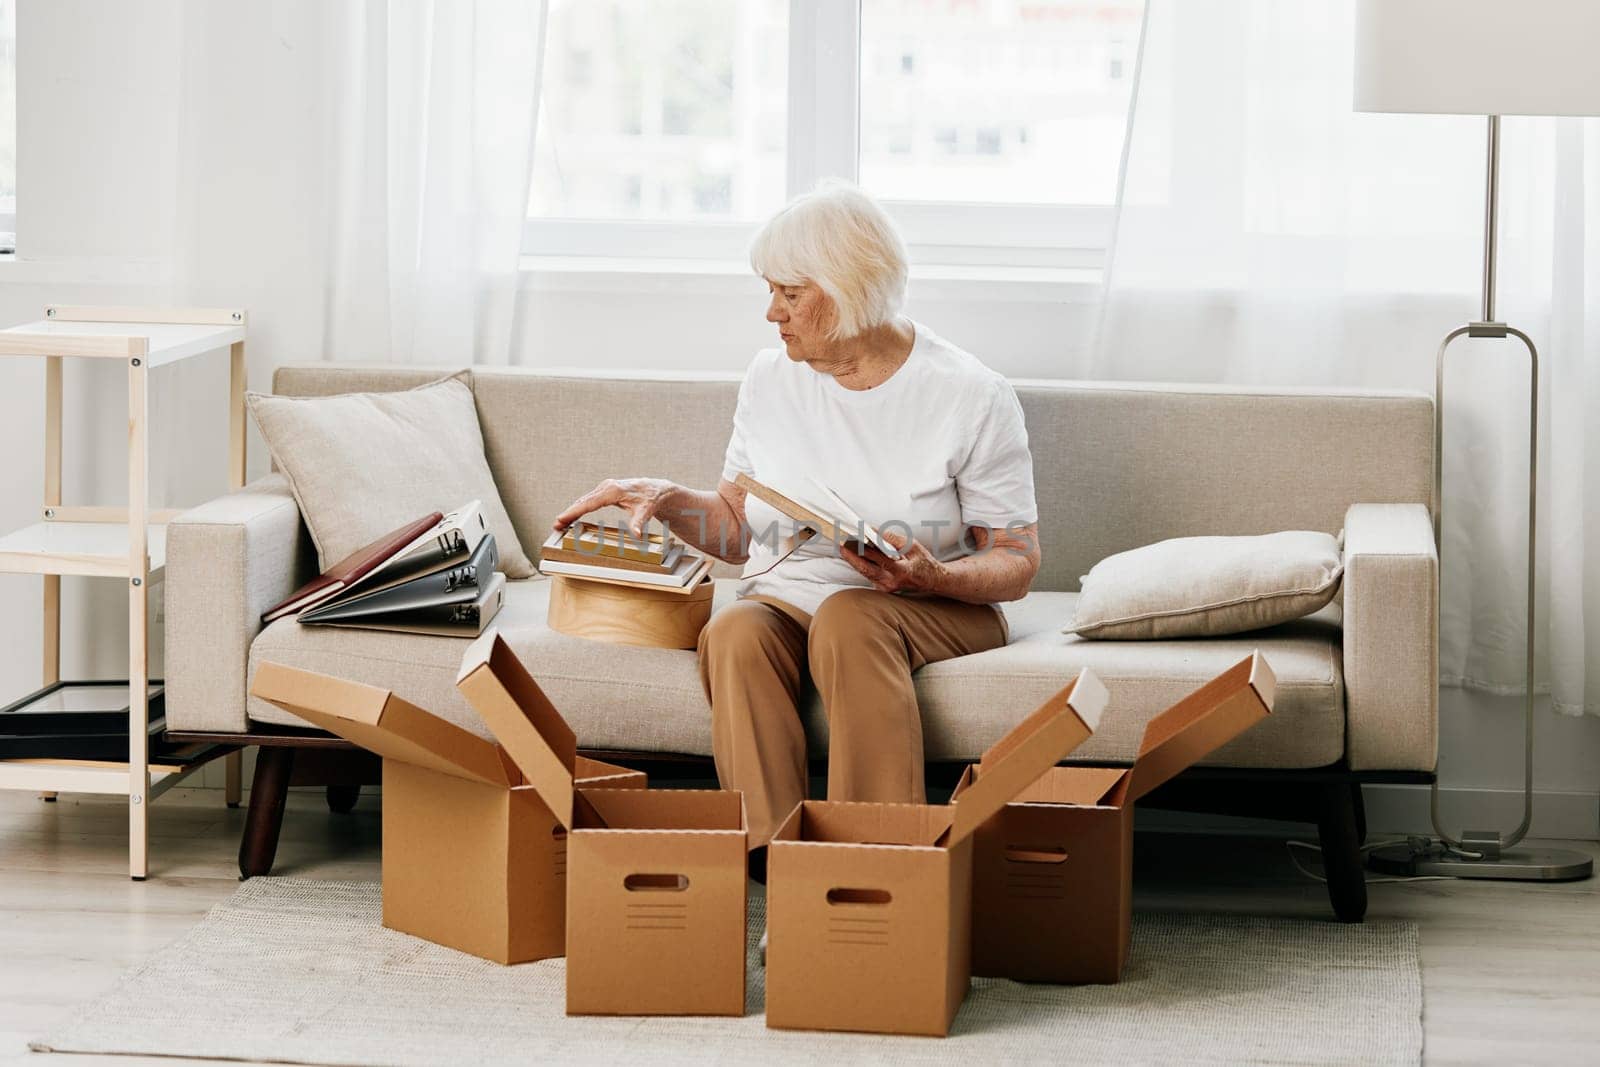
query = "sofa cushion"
{"x": 363, "y": 464}
{"x": 647, "y": 699}
{"x": 970, "y": 702}
{"x": 1208, "y": 586}
{"x": 643, "y": 699}
{"x": 1204, "y": 459}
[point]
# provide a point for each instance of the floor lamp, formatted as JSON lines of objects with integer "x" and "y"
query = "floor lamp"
{"x": 1492, "y": 58}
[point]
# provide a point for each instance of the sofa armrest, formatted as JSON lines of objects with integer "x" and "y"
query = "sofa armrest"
{"x": 228, "y": 561}
{"x": 1391, "y": 638}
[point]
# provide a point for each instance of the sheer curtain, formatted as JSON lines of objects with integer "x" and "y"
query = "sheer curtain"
{"x": 1572, "y": 353}
{"x": 1267, "y": 234}
{"x": 357, "y": 172}
{"x": 435, "y": 125}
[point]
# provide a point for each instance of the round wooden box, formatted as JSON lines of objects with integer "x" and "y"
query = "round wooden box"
{"x": 629, "y": 615}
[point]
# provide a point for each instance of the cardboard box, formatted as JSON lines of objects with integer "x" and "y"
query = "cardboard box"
{"x": 1052, "y": 885}
{"x": 656, "y": 908}
{"x": 869, "y": 905}
{"x": 472, "y": 857}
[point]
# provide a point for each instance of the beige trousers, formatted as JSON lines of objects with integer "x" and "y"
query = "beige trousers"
{"x": 860, "y": 648}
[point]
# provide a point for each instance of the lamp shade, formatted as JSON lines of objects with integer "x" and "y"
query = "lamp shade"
{"x": 1478, "y": 57}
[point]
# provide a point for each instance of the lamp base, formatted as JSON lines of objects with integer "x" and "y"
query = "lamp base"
{"x": 1418, "y": 858}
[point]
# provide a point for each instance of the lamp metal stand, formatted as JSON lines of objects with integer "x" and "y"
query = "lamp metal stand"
{"x": 1488, "y": 853}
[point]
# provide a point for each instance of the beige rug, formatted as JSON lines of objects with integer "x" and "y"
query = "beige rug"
{"x": 300, "y": 971}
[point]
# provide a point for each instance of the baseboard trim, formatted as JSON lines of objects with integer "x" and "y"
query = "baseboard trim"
{"x": 1404, "y": 809}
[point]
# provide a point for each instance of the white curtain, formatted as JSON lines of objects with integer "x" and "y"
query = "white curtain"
{"x": 1573, "y": 355}
{"x": 1267, "y": 234}
{"x": 435, "y": 127}
{"x": 357, "y": 172}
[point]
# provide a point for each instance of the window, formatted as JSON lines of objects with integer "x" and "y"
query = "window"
{"x": 8, "y": 125}
{"x": 991, "y": 129}
{"x": 665, "y": 110}
{"x": 657, "y": 115}
{"x": 1003, "y": 101}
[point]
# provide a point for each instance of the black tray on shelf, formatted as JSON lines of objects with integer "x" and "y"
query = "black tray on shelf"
{"x": 77, "y": 708}
{"x": 109, "y": 747}
{"x": 82, "y": 720}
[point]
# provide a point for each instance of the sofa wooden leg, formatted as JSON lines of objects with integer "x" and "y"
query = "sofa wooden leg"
{"x": 1361, "y": 812}
{"x": 269, "y": 789}
{"x": 1338, "y": 827}
{"x": 233, "y": 778}
{"x": 342, "y": 797}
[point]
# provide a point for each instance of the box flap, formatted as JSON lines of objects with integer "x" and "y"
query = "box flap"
{"x": 665, "y": 809}
{"x": 1038, "y": 743}
{"x": 527, "y": 725}
{"x": 595, "y": 773}
{"x": 1201, "y": 723}
{"x": 861, "y": 822}
{"x": 1078, "y": 787}
{"x": 380, "y": 722}
{"x": 1087, "y": 707}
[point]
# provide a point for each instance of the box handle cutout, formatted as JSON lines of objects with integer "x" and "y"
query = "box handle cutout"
{"x": 668, "y": 883}
{"x": 844, "y": 895}
{"x": 1036, "y": 854}
{"x": 558, "y": 832}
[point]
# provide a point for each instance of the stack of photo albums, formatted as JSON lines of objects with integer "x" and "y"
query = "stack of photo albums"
{"x": 605, "y": 552}
{"x": 435, "y": 575}
{"x": 608, "y": 552}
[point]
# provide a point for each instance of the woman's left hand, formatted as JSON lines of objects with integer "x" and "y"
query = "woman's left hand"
{"x": 916, "y": 571}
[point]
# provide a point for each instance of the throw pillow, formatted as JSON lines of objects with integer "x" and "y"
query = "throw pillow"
{"x": 363, "y": 464}
{"x": 1208, "y": 586}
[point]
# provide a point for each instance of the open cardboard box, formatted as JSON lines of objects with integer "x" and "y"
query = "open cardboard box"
{"x": 656, "y": 912}
{"x": 473, "y": 858}
{"x": 869, "y": 905}
{"x": 1052, "y": 883}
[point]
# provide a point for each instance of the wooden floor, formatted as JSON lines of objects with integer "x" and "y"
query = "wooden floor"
{"x": 1511, "y": 973}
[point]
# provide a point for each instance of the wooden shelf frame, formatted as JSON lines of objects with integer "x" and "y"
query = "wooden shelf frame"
{"x": 87, "y": 547}
{"x": 145, "y": 338}
{"x": 88, "y": 776}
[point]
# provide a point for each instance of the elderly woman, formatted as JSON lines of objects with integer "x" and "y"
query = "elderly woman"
{"x": 910, "y": 431}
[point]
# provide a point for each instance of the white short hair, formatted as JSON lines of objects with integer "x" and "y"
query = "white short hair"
{"x": 838, "y": 238}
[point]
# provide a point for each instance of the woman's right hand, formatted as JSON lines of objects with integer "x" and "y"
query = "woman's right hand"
{"x": 641, "y": 498}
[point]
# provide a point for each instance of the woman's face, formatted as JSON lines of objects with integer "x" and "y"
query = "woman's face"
{"x": 803, "y": 315}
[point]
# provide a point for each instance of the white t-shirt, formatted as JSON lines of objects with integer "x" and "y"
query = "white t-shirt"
{"x": 938, "y": 447}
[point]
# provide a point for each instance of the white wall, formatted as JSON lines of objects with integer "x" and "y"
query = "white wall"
{"x": 94, "y": 119}
{"x": 108, "y": 212}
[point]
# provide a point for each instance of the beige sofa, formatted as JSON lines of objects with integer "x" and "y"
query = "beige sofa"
{"x": 1116, "y": 466}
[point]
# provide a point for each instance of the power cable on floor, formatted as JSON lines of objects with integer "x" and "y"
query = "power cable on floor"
{"x": 1309, "y": 873}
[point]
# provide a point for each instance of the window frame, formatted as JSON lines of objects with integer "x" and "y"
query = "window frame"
{"x": 823, "y": 140}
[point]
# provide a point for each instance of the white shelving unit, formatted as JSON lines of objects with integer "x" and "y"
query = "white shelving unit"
{"x": 128, "y": 543}
{"x": 98, "y": 549}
